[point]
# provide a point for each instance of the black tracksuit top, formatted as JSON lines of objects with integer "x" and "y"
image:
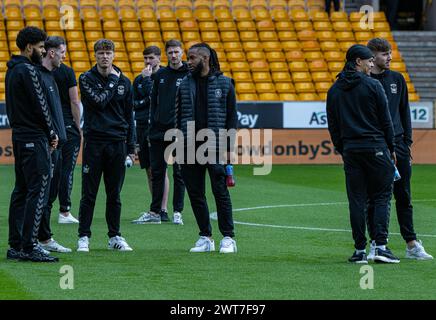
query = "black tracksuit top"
{"x": 107, "y": 107}
{"x": 398, "y": 98}
{"x": 358, "y": 114}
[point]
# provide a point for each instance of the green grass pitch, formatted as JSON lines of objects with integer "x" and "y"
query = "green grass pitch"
{"x": 295, "y": 249}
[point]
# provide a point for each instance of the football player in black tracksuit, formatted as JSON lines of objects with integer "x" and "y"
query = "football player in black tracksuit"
{"x": 109, "y": 137}
{"x": 142, "y": 86}
{"x": 396, "y": 92}
{"x": 55, "y": 51}
{"x": 33, "y": 137}
{"x": 162, "y": 118}
{"x": 207, "y": 99}
{"x": 361, "y": 130}
{"x": 67, "y": 85}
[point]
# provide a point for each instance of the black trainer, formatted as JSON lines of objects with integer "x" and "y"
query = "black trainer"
{"x": 359, "y": 258}
{"x": 13, "y": 254}
{"x": 38, "y": 255}
{"x": 164, "y": 216}
{"x": 385, "y": 256}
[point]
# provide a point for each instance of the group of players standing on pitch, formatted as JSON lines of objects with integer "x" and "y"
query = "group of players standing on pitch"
{"x": 368, "y": 119}
{"x": 44, "y": 113}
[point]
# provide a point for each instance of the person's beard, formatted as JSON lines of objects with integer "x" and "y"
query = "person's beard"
{"x": 198, "y": 69}
{"x": 36, "y": 57}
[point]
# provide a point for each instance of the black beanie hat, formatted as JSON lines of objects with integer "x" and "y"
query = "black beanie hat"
{"x": 358, "y": 51}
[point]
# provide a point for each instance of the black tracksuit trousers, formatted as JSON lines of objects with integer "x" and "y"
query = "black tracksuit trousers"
{"x": 369, "y": 176}
{"x": 30, "y": 195}
{"x": 402, "y": 194}
{"x": 56, "y": 163}
{"x": 158, "y": 169}
{"x": 70, "y": 152}
{"x": 102, "y": 159}
{"x": 194, "y": 176}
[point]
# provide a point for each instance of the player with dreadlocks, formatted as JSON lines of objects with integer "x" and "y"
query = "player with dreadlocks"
{"x": 213, "y": 107}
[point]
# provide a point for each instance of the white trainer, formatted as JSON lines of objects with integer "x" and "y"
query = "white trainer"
{"x": 177, "y": 218}
{"x": 83, "y": 244}
{"x": 54, "y": 246}
{"x": 228, "y": 245}
{"x": 67, "y": 219}
{"x": 418, "y": 252}
{"x": 371, "y": 254}
{"x": 204, "y": 244}
{"x": 148, "y": 218}
{"x": 118, "y": 243}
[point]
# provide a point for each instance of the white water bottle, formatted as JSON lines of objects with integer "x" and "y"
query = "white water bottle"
{"x": 129, "y": 162}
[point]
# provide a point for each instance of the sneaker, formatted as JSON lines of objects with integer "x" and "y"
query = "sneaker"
{"x": 67, "y": 219}
{"x": 118, "y": 243}
{"x": 148, "y": 218}
{"x": 38, "y": 255}
{"x": 83, "y": 244}
{"x": 177, "y": 218}
{"x": 228, "y": 245}
{"x": 371, "y": 254}
{"x": 204, "y": 244}
{"x": 418, "y": 252}
{"x": 42, "y": 249}
{"x": 385, "y": 256}
{"x": 359, "y": 258}
{"x": 13, "y": 254}
{"x": 53, "y": 246}
{"x": 164, "y": 216}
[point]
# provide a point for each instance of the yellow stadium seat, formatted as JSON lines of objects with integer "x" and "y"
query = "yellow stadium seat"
{"x": 245, "y": 87}
{"x": 136, "y": 56}
{"x": 326, "y": 35}
{"x": 268, "y": 36}
{"x": 166, "y": 14}
{"x": 379, "y": 16}
{"x": 88, "y": 3}
{"x": 189, "y": 44}
{"x": 246, "y": 26}
{"x": 202, "y": 4}
{"x": 232, "y": 46}
{"x": 13, "y": 13}
{"x": 74, "y": 36}
{"x": 288, "y": 96}
{"x": 203, "y": 14}
{"x": 79, "y": 56}
{"x": 285, "y": 87}
{"x": 248, "y": 36}
{"x": 35, "y": 23}
{"x": 274, "y": 56}
{"x": 81, "y": 66}
{"x": 284, "y": 26}
{"x": 227, "y": 26}
{"x": 259, "y": 65}
{"x": 137, "y": 66}
{"x": 12, "y": 35}
{"x": 294, "y": 55}
{"x": 221, "y": 54}
{"x": 169, "y": 26}
{"x": 4, "y": 45}
{"x": 302, "y": 87}
{"x": 258, "y": 3}
{"x": 281, "y": 76}
{"x": 32, "y": 13}
{"x": 303, "y": 25}
{"x": 134, "y": 36}
{"x": 151, "y": 25}
{"x": 93, "y": 35}
{"x": 164, "y": 4}
{"x": 299, "y": 15}
{"x": 218, "y": 46}
{"x": 76, "y": 46}
{"x": 322, "y": 96}
{"x": 295, "y": 66}
{"x": 345, "y": 36}
{"x": 269, "y": 96}
{"x": 322, "y": 26}
{"x": 248, "y": 97}
{"x": 106, "y": 3}
{"x": 260, "y": 14}
{"x": 255, "y": 55}
{"x": 334, "y": 56}
{"x": 184, "y": 14}
{"x": 342, "y": 26}
{"x": 220, "y": 4}
{"x": 311, "y": 45}
{"x": 111, "y": 25}
{"x": 4, "y": 55}
{"x": 190, "y": 25}
{"x": 114, "y": 35}
{"x": 290, "y": 45}
{"x": 335, "y": 66}
{"x": 236, "y": 56}
{"x": 261, "y": 76}
{"x": 398, "y": 66}
{"x": 51, "y": 25}
{"x": 306, "y": 35}
{"x": 396, "y": 55}
{"x": 160, "y": 45}
{"x": 241, "y": 14}
{"x": 88, "y": 25}
{"x": 301, "y": 76}
{"x": 51, "y": 13}
{"x": 386, "y": 35}
{"x": 123, "y": 3}
{"x": 287, "y": 35}
{"x": 135, "y": 47}
{"x": 183, "y": 4}
{"x": 410, "y": 87}
{"x": 50, "y": 3}
{"x": 208, "y": 26}
{"x": 363, "y": 36}
{"x": 152, "y": 36}
{"x": 229, "y": 36}
{"x": 264, "y": 87}
{"x": 271, "y": 46}
{"x": 223, "y": 14}
{"x": 345, "y": 45}
{"x": 191, "y": 36}
{"x": 14, "y": 25}
{"x": 146, "y": 14}
{"x": 319, "y": 16}
{"x": 356, "y": 16}
{"x": 279, "y": 14}
{"x": 240, "y": 4}
{"x": 318, "y": 65}
{"x": 308, "y": 96}
{"x": 330, "y": 46}
{"x": 3, "y": 66}
{"x": 239, "y": 66}
{"x": 252, "y": 46}
{"x": 313, "y": 55}
{"x": 278, "y": 66}
{"x": 414, "y": 97}
{"x": 209, "y": 36}
{"x": 321, "y": 76}
{"x": 89, "y": 13}
{"x": 131, "y": 26}
{"x": 338, "y": 16}
{"x": 109, "y": 13}
{"x": 123, "y": 65}
{"x": 322, "y": 86}
{"x": 242, "y": 76}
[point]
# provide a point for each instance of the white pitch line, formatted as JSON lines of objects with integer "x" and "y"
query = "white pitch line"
{"x": 213, "y": 216}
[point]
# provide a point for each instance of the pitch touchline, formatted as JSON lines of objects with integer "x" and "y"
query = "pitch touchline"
{"x": 213, "y": 216}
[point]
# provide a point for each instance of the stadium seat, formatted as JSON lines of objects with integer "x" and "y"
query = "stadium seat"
{"x": 245, "y": 87}
{"x": 410, "y": 87}
{"x": 14, "y": 25}
{"x": 124, "y": 3}
{"x": 284, "y": 87}
{"x": 299, "y": 15}
{"x": 241, "y": 14}
{"x": 259, "y": 66}
{"x": 152, "y": 36}
{"x": 13, "y": 13}
{"x": 345, "y": 45}
{"x": 93, "y": 35}
{"x": 322, "y": 26}
{"x": 208, "y": 26}
{"x": 74, "y": 36}
{"x": 88, "y": 25}
{"x": 191, "y": 36}
{"x": 81, "y": 66}
{"x": 203, "y": 14}
{"x": 296, "y": 66}
{"x": 227, "y": 26}
{"x": 259, "y": 14}
{"x": 311, "y": 45}
{"x": 198, "y": 4}
{"x": 135, "y": 47}
{"x": 274, "y": 56}
{"x": 294, "y": 55}
{"x": 4, "y": 45}
{"x": 151, "y": 25}
{"x": 131, "y": 26}
{"x": 108, "y": 14}
{"x": 288, "y": 96}
{"x": 279, "y": 14}
{"x": 114, "y": 35}
{"x": 303, "y": 25}
{"x": 209, "y": 36}
{"x": 335, "y": 66}
{"x": 166, "y": 14}
{"x": 238, "y": 66}
{"x": 35, "y": 23}
{"x": 278, "y": 66}
{"x": 248, "y": 97}
{"x": 134, "y": 36}
{"x": 308, "y": 96}
{"x": 301, "y": 77}
{"x": 111, "y": 25}
{"x": 306, "y": 35}
{"x": 356, "y": 16}
{"x": 326, "y": 35}
{"x": 341, "y": 26}
{"x": 313, "y": 55}
{"x": 322, "y": 86}
{"x": 318, "y": 65}
{"x": 248, "y": 36}
{"x": 413, "y": 97}
{"x": 223, "y": 14}
{"x": 272, "y": 46}
{"x": 255, "y": 55}
{"x": 89, "y": 13}
{"x": 379, "y": 16}
{"x": 79, "y": 55}
{"x": 345, "y": 36}
{"x": 252, "y": 46}
{"x": 183, "y": 14}
{"x": 281, "y": 76}
{"x": 287, "y": 35}
{"x": 334, "y": 56}
{"x": 246, "y": 25}
{"x": 338, "y": 16}
{"x": 268, "y": 36}
{"x": 319, "y": 16}
{"x": 232, "y": 46}
{"x": 234, "y": 56}
{"x": 242, "y": 76}
{"x": 261, "y": 76}
{"x": 321, "y": 76}
{"x": 221, "y": 54}
{"x": 329, "y": 46}
{"x": 146, "y": 14}
{"x": 227, "y": 36}
{"x": 169, "y": 26}
{"x": 265, "y": 87}
{"x": 398, "y": 66}
{"x": 363, "y": 36}
{"x": 386, "y": 35}
{"x": 284, "y": 26}
{"x": 269, "y": 96}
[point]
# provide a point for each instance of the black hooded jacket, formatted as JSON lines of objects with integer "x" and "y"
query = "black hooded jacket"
{"x": 107, "y": 107}
{"x": 358, "y": 114}
{"x": 26, "y": 102}
{"x": 163, "y": 100}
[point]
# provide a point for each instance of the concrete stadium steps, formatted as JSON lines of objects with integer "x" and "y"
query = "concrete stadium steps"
{"x": 418, "y": 49}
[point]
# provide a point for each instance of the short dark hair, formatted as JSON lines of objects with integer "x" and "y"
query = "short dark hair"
{"x": 379, "y": 45}
{"x": 172, "y": 43}
{"x": 104, "y": 44}
{"x": 53, "y": 42}
{"x": 152, "y": 50}
{"x": 29, "y": 35}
